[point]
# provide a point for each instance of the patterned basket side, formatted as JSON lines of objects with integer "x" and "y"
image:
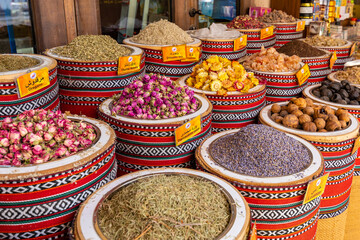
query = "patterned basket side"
{"x": 319, "y": 69}
{"x": 286, "y": 33}
{"x": 47, "y": 98}
{"x": 254, "y": 43}
{"x": 43, "y": 207}
{"x": 223, "y": 49}
{"x": 340, "y": 62}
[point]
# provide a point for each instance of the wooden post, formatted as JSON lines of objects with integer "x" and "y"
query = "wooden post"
{"x": 70, "y": 19}
{"x": 181, "y": 15}
{"x": 88, "y": 17}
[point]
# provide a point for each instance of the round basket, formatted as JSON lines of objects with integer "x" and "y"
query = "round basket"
{"x": 332, "y": 77}
{"x": 254, "y": 43}
{"x": 319, "y": 67}
{"x": 155, "y": 64}
{"x": 235, "y": 110}
{"x": 85, "y": 84}
{"x": 280, "y": 86}
{"x": 39, "y": 201}
{"x": 352, "y": 228}
{"x": 143, "y": 144}
{"x": 275, "y": 202}
{"x": 222, "y": 48}
{"x": 286, "y": 32}
{"x": 238, "y": 228}
{"x": 336, "y": 148}
{"x": 46, "y": 98}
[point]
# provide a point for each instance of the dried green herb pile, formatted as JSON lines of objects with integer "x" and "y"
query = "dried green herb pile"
{"x": 165, "y": 207}
{"x": 162, "y": 32}
{"x": 301, "y": 49}
{"x": 260, "y": 151}
{"x": 93, "y": 48}
{"x": 14, "y": 62}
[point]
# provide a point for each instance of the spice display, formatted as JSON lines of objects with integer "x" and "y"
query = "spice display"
{"x": 154, "y": 97}
{"x": 246, "y": 22}
{"x": 162, "y": 32}
{"x": 277, "y": 16}
{"x": 269, "y": 60}
{"x": 260, "y": 151}
{"x": 301, "y": 49}
{"x": 38, "y": 136}
{"x": 302, "y": 114}
{"x": 165, "y": 207}
{"x": 16, "y": 62}
{"x": 350, "y": 74}
{"x": 216, "y": 30}
{"x": 338, "y": 92}
{"x": 93, "y": 48}
{"x": 324, "y": 41}
{"x": 221, "y": 75}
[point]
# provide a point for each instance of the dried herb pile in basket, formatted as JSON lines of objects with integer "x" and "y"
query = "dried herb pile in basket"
{"x": 14, "y": 62}
{"x": 301, "y": 49}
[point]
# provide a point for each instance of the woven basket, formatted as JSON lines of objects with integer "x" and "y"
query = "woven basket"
{"x": 280, "y": 86}
{"x": 143, "y": 144}
{"x": 336, "y": 148}
{"x": 285, "y": 33}
{"x": 84, "y": 84}
{"x": 46, "y": 98}
{"x": 155, "y": 64}
{"x": 222, "y": 48}
{"x": 275, "y": 202}
{"x": 238, "y": 228}
{"x": 39, "y": 201}
{"x": 319, "y": 67}
{"x": 254, "y": 43}
{"x": 235, "y": 110}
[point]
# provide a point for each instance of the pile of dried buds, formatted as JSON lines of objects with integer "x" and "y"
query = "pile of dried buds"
{"x": 38, "y": 136}
{"x": 154, "y": 97}
{"x": 245, "y": 22}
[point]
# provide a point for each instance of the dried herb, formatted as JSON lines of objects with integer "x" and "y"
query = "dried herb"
{"x": 260, "y": 151}
{"x": 15, "y": 62}
{"x": 162, "y": 32}
{"x": 324, "y": 41}
{"x": 277, "y": 16}
{"x": 165, "y": 207}
{"x": 301, "y": 49}
{"x": 93, "y": 48}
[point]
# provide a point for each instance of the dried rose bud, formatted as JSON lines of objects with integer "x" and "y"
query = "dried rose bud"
{"x": 37, "y": 150}
{"x": 4, "y": 142}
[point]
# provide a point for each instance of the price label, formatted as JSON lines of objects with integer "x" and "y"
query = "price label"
{"x": 129, "y": 64}
{"x": 356, "y": 145}
{"x": 253, "y": 232}
{"x": 240, "y": 42}
{"x": 303, "y": 74}
{"x": 192, "y": 54}
{"x": 315, "y": 188}
{"x": 33, "y": 81}
{"x": 332, "y": 60}
{"x": 352, "y": 49}
{"x": 300, "y": 26}
{"x": 174, "y": 53}
{"x": 266, "y": 32}
{"x": 187, "y": 130}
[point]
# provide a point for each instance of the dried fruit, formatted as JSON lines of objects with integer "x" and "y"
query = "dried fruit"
{"x": 246, "y": 22}
{"x": 290, "y": 121}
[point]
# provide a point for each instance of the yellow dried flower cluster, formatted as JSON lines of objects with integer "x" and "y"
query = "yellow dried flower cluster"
{"x": 221, "y": 75}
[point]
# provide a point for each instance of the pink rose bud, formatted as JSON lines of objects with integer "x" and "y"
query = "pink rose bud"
{"x": 15, "y": 136}
{"x": 3, "y": 151}
{"x": 91, "y": 136}
{"x": 36, "y": 160}
{"x": 48, "y": 136}
{"x": 52, "y": 143}
{"x": 68, "y": 142}
{"x": 69, "y": 127}
{"x": 37, "y": 150}
{"x": 60, "y": 151}
{"x": 46, "y": 157}
{"x": 38, "y": 127}
{"x": 23, "y": 131}
{"x": 4, "y": 161}
{"x": 35, "y": 139}
{"x": 52, "y": 129}
{"x": 60, "y": 122}
{"x": 25, "y": 147}
{"x": 16, "y": 162}
{"x": 7, "y": 120}
{"x": 4, "y": 142}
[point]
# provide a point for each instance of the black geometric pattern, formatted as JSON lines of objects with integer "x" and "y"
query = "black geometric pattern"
{"x": 230, "y": 56}
{"x": 333, "y": 214}
{"x": 141, "y": 167}
{"x": 169, "y": 70}
{"x": 257, "y": 45}
{"x": 237, "y": 116}
{"x": 285, "y": 92}
{"x": 37, "y": 233}
{"x": 339, "y": 177}
{"x": 240, "y": 102}
{"x": 339, "y": 163}
{"x": 263, "y": 195}
{"x": 218, "y": 45}
{"x": 82, "y": 99}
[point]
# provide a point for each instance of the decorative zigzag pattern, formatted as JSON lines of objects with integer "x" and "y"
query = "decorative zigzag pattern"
{"x": 290, "y": 36}
{"x": 219, "y": 45}
{"x": 340, "y": 162}
{"x": 140, "y": 167}
{"x": 284, "y": 92}
{"x": 264, "y": 195}
{"x": 241, "y": 102}
{"x": 333, "y": 214}
{"x": 257, "y": 45}
{"x": 169, "y": 70}
{"x": 315, "y": 73}
{"x": 230, "y": 56}
{"x": 237, "y": 116}
{"x": 36, "y": 234}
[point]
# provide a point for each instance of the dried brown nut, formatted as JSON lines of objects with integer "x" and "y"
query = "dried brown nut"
{"x": 278, "y": 119}
{"x": 297, "y": 113}
{"x": 290, "y": 121}
{"x": 309, "y": 126}
{"x": 304, "y": 118}
{"x": 309, "y": 102}
{"x": 275, "y": 108}
{"x": 345, "y": 117}
{"x": 283, "y": 113}
{"x": 332, "y": 117}
{"x": 284, "y": 107}
{"x": 328, "y": 110}
{"x": 320, "y": 123}
{"x": 300, "y": 102}
{"x": 292, "y": 107}
{"x": 322, "y": 130}
{"x": 309, "y": 111}
{"x": 343, "y": 124}
{"x": 333, "y": 125}
{"x": 274, "y": 115}
{"x": 340, "y": 111}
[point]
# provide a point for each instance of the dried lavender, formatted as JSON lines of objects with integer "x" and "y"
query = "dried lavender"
{"x": 260, "y": 151}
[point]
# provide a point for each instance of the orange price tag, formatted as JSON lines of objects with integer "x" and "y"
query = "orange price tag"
{"x": 33, "y": 81}
{"x": 174, "y": 53}
{"x": 315, "y": 188}
{"x": 303, "y": 74}
{"x": 266, "y": 32}
{"x": 352, "y": 49}
{"x": 187, "y": 130}
{"x": 253, "y": 232}
{"x": 356, "y": 145}
{"x": 300, "y": 26}
{"x": 332, "y": 60}
{"x": 192, "y": 54}
{"x": 240, "y": 42}
{"x": 129, "y": 64}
